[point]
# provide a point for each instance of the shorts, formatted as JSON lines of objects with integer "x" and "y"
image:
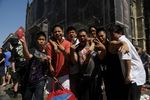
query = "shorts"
{"x": 8, "y": 70}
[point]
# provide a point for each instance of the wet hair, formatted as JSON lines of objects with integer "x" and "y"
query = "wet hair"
{"x": 41, "y": 33}
{"x": 70, "y": 28}
{"x": 101, "y": 29}
{"x": 82, "y": 30}
{"x": 57, "y": 26}
{"x": 92, "y": 27}
{"x": 116, "y": 28}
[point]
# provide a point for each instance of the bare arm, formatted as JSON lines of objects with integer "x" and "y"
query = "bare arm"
{"x": 13, "y": 66}
{"x": 65, "y": 50}
{"x": 54, "y": 45}
{"x": 101, "y": 49}
{"x": 102, "y": 53}
{"x": 92, "y": 46}
{"x": 121, "y": 46}
{"x": 2, "y": 60}
{"x": 127, "y": 64}
{"x": 26, "y": 52}
{"x": 49, "y": 55}
{"x": 73, "y": 54}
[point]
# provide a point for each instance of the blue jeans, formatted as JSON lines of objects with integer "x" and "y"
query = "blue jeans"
{"x": 35, "y": 92}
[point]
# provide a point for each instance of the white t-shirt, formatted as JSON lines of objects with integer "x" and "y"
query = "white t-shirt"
{"x": 137, "y": 73}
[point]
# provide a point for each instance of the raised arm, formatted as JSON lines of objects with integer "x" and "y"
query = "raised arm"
{"x": 26, "y": 52}
{"x": 121, "y": 46}
{"x": 2, "y": 60}
{"x": 73, "y": 54}
{"x": 127, "y": 64}
{"x": 101, "y": 50}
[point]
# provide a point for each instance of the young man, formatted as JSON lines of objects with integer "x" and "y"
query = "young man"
{"x": 87, "y": 62}
{"x": 36, "y": 69}
{"x": 58, "y": 50}
{"x": 110, "y": 65}
{"x": 92, "y": 31}
{"x": 72, "y": 35}
{"x": 17, "y": 62}
{"x": 73, "y": 69}
{"x": 145, "y": 57}
{"x": 132, "y": 66}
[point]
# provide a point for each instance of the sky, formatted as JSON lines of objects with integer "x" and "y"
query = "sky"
{"x": 12, "y": 16}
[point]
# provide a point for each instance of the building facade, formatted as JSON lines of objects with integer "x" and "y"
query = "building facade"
{"x": 43, "y": 14}
{"x": 147, "y": 23}
{"x": 9, "y": 39}
{"x": 137, "y": 23}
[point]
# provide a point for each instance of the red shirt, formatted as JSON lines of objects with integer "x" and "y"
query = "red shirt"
{"x": 58, "y": 60}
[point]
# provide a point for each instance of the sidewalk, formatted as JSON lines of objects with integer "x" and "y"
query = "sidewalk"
{"x": 145, "y": 92}
{"x": 7, "y": 94}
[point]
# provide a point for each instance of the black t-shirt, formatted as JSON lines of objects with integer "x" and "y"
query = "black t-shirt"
{"x": 17, "y": 56}
{"x": 37, "y": 68}
{"x": 114, "y": 69}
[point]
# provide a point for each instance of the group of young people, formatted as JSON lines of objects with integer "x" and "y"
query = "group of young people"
{"x": 12, "y": 63}
{"x": 83, "y": 62}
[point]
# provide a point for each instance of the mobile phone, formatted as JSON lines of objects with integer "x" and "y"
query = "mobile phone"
{"x": 20, "y": 32}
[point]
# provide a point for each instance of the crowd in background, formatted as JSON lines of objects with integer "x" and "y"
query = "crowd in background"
{"x": 87, "y": 62}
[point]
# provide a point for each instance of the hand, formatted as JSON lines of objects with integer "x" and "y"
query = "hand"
{"x": 52, "y": 71}
{"x": 124, "y": 48}
{"x": 128, "y": 80}
{"x": 73, "y": 47}
{"x": 120, "y": 45}
{"x": 20, "y": 32}
{"x": 95, "y": 40}
{"x": 98, "y": 44}
{"x": 23, "y": 40}
{"x": 43, "y": 58}
{"x": 54, "y": 45}
{"x": 60, "y": 47}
